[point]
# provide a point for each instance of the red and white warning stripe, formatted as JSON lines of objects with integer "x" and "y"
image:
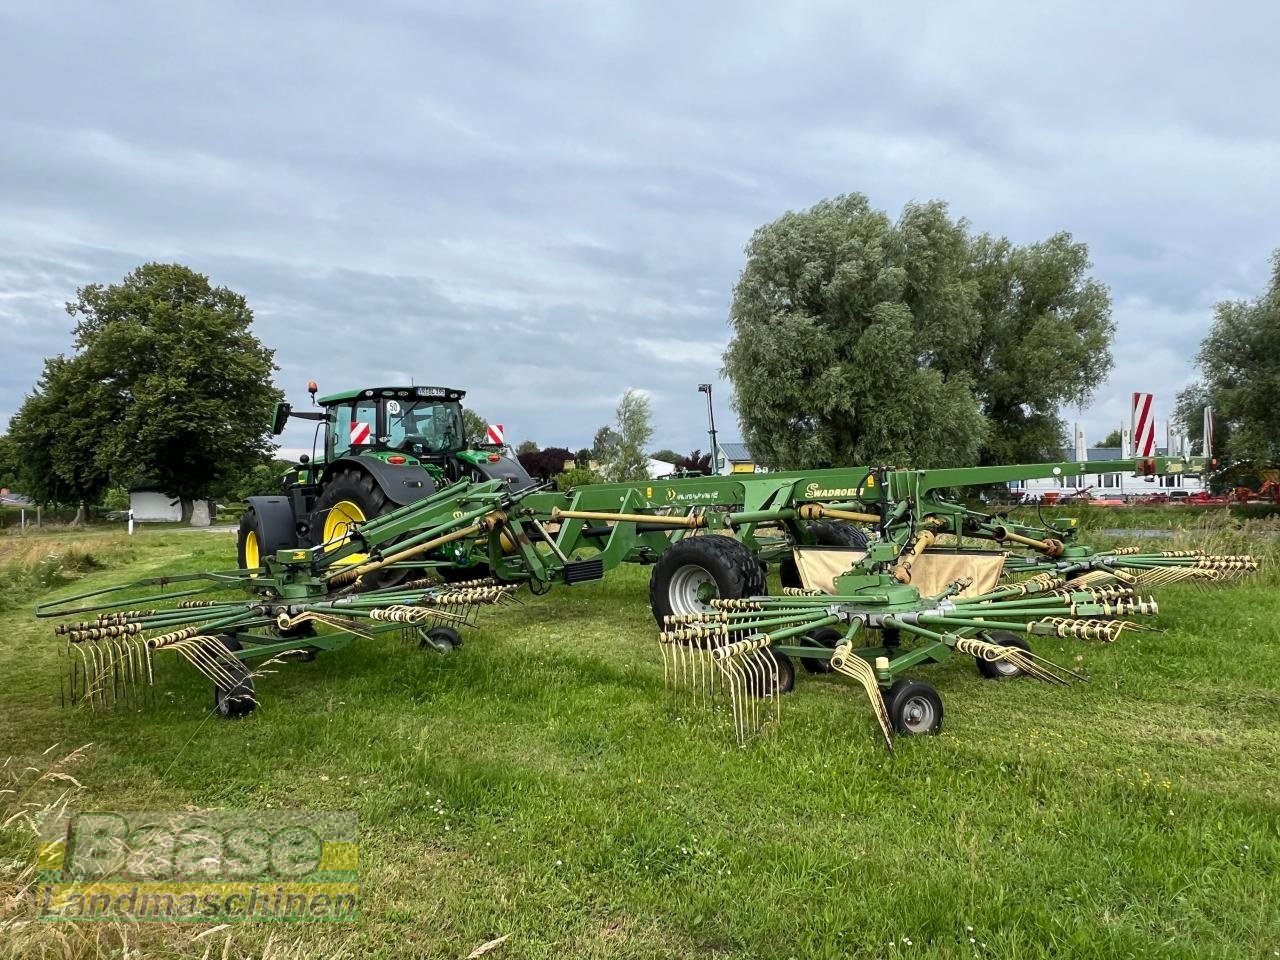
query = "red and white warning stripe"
{"x": 494, "y": 434}
{"x": 360, "y": 432}
{"x": 1144, "y": 425}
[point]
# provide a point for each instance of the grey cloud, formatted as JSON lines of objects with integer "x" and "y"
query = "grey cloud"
{"x": 521, "y": 200}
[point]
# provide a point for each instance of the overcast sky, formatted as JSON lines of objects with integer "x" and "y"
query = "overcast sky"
{"x": 546, "y": 204}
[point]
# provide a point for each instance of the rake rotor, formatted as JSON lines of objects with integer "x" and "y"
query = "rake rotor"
{"x": 741, "y": 648}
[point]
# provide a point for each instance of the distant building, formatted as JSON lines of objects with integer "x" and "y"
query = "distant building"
{"x": 660, "y": 468}
{"x": 1114, "y": 484}
{"x": 150, "y": 505}
{"x": 736, "y": 458}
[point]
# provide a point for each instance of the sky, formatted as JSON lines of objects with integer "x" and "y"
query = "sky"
{"x": 545, "y": 204}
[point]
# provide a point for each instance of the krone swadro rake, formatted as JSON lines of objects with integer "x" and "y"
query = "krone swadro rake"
{"x": 874, "y": 633}
{"x": 919, "y": 592}
{"x": 299, "y": 603}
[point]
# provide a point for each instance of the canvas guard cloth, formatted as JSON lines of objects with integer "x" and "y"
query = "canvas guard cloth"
{"x": 930, "y": 574}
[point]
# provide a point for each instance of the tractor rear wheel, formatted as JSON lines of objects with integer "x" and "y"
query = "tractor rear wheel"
{"x": 827, "y": 533}
{"x": 352, "y": 497}
{"x": 696, "y": 570}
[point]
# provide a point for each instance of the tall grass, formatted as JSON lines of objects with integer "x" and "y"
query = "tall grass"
{"x": 32, "y": 566}
{"x": 44, "y": 789}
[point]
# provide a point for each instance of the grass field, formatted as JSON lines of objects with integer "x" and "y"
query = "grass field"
{"x": 539, "y": 784}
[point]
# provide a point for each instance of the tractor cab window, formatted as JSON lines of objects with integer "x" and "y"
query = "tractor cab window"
{"x": 352, "y": 426}
{"x": 424, "y": 426}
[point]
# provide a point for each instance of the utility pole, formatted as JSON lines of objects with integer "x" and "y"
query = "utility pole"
{"x": 711, "y": 419}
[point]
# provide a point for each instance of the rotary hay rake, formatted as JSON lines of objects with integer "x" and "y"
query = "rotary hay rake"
{"x": 870, "y": 609}
{"x": 113, "y": 652}
{"x": 1132, "y": 567}
{"x": 987, "y": 608}
{"x": 113, "y": 655}
{"x": 744, "y": 649}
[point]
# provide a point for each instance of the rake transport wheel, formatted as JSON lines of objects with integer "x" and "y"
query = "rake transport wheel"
{"x": 826, "y": 637}
{"x": 237, "y": 698}
{"x": 828, "y": 533}
{"x": 914, "y": 707}
{"x": 1001, "y": 669}
{"x": 759, "y": 686}
{"x": 696, "y": 570}
{"x": 353, "y": 496}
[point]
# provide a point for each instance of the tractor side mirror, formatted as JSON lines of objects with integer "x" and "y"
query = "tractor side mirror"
{"x": 279, "y": 417}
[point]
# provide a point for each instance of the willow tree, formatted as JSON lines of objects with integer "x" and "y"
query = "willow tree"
{"x": 861, "y": 339}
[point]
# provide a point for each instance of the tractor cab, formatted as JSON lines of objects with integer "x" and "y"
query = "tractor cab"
{"x": 400, "y": 425}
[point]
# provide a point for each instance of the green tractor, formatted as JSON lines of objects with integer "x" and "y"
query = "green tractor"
{"x": 384, "y": 447}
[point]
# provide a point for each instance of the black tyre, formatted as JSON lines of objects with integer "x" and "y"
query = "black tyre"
{"x": 351, "y": 497}
{"x": 761, "y": 686}
{"x": 443, "y": 639}
{"x": 462, "y": 574}
{"x": 695, "y": 570}
{"x": 266, "y": 526}
{"x": 826, "y": 637}
{"x": 914, "y": 707}
{"x": 827, "y": 533}
{"x": 1000, "y": 669}
{"x": 233, "y": 697}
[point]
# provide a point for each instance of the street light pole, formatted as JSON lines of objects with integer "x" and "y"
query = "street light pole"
{"x": 711, "y": 419}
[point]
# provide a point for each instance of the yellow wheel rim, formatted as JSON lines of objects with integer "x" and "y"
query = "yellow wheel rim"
{"x": 252, "y": 557}
{"x": 337, "y": 527}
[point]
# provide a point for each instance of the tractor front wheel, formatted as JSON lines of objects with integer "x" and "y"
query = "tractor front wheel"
{"x": 266, "y": 526}
{"x": 696, "y": 570}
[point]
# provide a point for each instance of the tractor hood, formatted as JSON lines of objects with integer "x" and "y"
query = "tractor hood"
{"x": 495, "y": 466}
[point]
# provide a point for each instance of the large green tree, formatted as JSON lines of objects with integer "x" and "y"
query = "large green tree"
{"x": 1239, "y": 362}
{"x": 860, "y": 339}
{"x": 56, "y": 436}
{"x": 9, "y": 462}
{"x": 167, "y": 385}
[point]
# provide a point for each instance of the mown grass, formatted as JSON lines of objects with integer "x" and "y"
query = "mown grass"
{"x": 539, "y": 783}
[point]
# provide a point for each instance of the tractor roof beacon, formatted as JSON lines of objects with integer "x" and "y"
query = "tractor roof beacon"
{"x": 382, "y": 448}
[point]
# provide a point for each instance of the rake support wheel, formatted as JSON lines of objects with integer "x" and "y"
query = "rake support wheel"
{"x": 236, "y": 698}
{"x": 441, "y": 639}
{"x": 827, "y": 637}
{"x": 759, "y": 686}
{"x": 1001, "y": 669}
{"x": 915, "y": 709}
